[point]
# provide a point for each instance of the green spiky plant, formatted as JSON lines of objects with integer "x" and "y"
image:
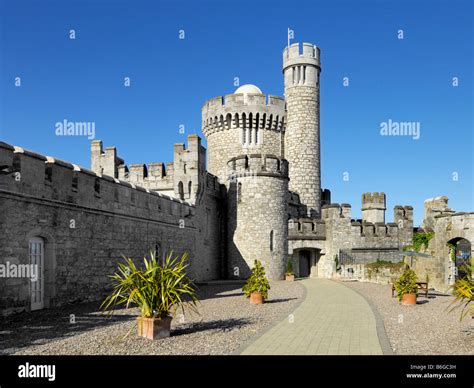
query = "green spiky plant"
{"x": 158, "y": 289}
{"x": 463, "y": 291}
{"x": 406, "y": 283}
{"x": 289, "y": 267}
{"x": 257, "y": 282}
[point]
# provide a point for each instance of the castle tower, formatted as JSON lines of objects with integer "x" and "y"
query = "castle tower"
{"x": 302, "y": 142}
{"x": 257, "y": 206}
{"x": 243, "y": 123}
{"x": 373, "y": 207}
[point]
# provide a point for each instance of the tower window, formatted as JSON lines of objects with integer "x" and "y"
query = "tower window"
{"x": 180, "y": 190}
{"x": 271, "y": 241}
{"x": 239, "y": 192}
{"x": 97, "y": 186}
{"x": 190, "y": 187}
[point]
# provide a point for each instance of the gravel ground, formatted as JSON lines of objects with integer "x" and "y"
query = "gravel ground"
{"x": 425, "y": 329}
{"x": 226, "y": 321}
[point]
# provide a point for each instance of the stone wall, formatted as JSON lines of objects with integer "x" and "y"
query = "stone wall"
{"x": 88, "y": 222}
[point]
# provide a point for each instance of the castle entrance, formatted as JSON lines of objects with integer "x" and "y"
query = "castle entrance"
{"x": 462, "y": 256}
{"x": 304, "y": 263}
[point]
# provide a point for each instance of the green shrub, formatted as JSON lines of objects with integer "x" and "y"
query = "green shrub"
{"x": 157, "y": 289}
{"x": 289, "y": 267}
{"x": 406, "y": 283}
{"x": 257, "y": 282}
{"x": 419, "y": 240}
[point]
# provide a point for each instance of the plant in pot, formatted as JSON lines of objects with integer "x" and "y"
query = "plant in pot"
{"x": 289, "y": 275}
{"x": 406, "y": 287}
{"x": 463, "y": 290}
{"x": 157, "y": 289}
{"x": 257, "y": 285}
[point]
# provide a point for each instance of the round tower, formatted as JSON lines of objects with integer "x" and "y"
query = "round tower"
{"x": 257, "y": 206}
{"x": 302, "y": 142}
{"x": 243, "y": 123}
{"x": 373, "y": 207}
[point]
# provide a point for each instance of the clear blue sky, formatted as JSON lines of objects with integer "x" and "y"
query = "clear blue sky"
{"x": 389, "y": 78}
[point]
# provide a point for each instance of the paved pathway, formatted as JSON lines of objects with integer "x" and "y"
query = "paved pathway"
{"x": 333, "y": 319}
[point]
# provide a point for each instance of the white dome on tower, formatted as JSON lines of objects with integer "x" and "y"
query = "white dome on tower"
{"x": 248, "y": 89}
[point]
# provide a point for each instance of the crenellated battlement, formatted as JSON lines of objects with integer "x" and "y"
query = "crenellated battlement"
{"x": 371, "y": 200}
{"x": 305, "y": 54}
{"x": 50, "y": 179}
{"x": 306, "y": 229}
{"x": 233, "y": 111}
{"x": 257, "y": 165}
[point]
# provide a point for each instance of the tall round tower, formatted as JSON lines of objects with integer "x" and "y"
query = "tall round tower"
{"x": 257, "y": 214}
{"x": 302, "y": 142}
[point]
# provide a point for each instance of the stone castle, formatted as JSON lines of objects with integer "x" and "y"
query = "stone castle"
{"x": 259, "y": 198}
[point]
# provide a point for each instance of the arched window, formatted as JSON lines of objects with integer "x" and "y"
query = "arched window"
{"x": 184, "y": 168}
{"x": 228, "y": 120}
{"x": 239, "y": 192}
{"x": 257, "y": 126}
{"x": 190, "y": 187}
{"x": 236, "y": 120}
{"x": 270, "y": 122}
{"x": 181, "y": 190}
{"x": 250, "y": 128}
{"x": 271, "y": 241}
{"x": 246, "y": 162}
{"x": 276, "y": 123}
{"x": 244, "y": 129}
{"x": 36, "y": 257}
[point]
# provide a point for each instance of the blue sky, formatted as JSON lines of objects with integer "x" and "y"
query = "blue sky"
{"x": 406, "y": 79}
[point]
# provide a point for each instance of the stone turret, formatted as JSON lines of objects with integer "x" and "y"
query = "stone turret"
{"x": 243, "y": 123}
{"x": 302, "y": 139}
{"x": 257, "y": 205}
{"x": 373, "y": 207}
{"x": 106, "y": 162}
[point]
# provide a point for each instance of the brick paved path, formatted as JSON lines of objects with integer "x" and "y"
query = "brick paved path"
{"x": 333, "y": 319}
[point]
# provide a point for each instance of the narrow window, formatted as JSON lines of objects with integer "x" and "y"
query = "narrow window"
{"x": 236, "y": 120}
{"x": 97, "y": 186}
{"x": 304, "y": 74}
{"x": 229, "y": 120}
{"x": 246, "y": 162}
{"x": 181, "y": 190}
{"x": 257, "y": 125}
{"x": 239, "y": 192}
{"x": 271, "y": 241}
{"x": 48, "y": 173}
{"x": 276, "y": 123}
{"x": 250, "y": 128}
{"x": 190, "y": 187}
{"x": 270, "y": 122}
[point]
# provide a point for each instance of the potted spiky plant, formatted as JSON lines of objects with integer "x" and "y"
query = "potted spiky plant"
{"x": 289, "y": 275}
{"x": 463, "y": 290}
{"x": 157, "y": 289}
{"x": 406, "y": 287}
{"x": 257, "y": 285}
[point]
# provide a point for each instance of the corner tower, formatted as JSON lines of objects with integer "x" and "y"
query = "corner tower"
{"x": 302, "y": 141}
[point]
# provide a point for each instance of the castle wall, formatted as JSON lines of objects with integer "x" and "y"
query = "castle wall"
{"x": 88, "y": 222}
{"x": 257, "y": 215}
{"x": 373, "y": 240}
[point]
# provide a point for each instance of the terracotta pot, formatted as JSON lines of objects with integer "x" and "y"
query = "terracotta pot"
{"x": 409, "y": 299}
{"x": 256, "y": 298}
{"x": 154, "y": 328}
{"x": 290, "y": 278}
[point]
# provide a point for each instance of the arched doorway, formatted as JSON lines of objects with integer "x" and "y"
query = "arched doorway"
{"x": 304, "y": 263}
{"x": 462, "y": 256}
